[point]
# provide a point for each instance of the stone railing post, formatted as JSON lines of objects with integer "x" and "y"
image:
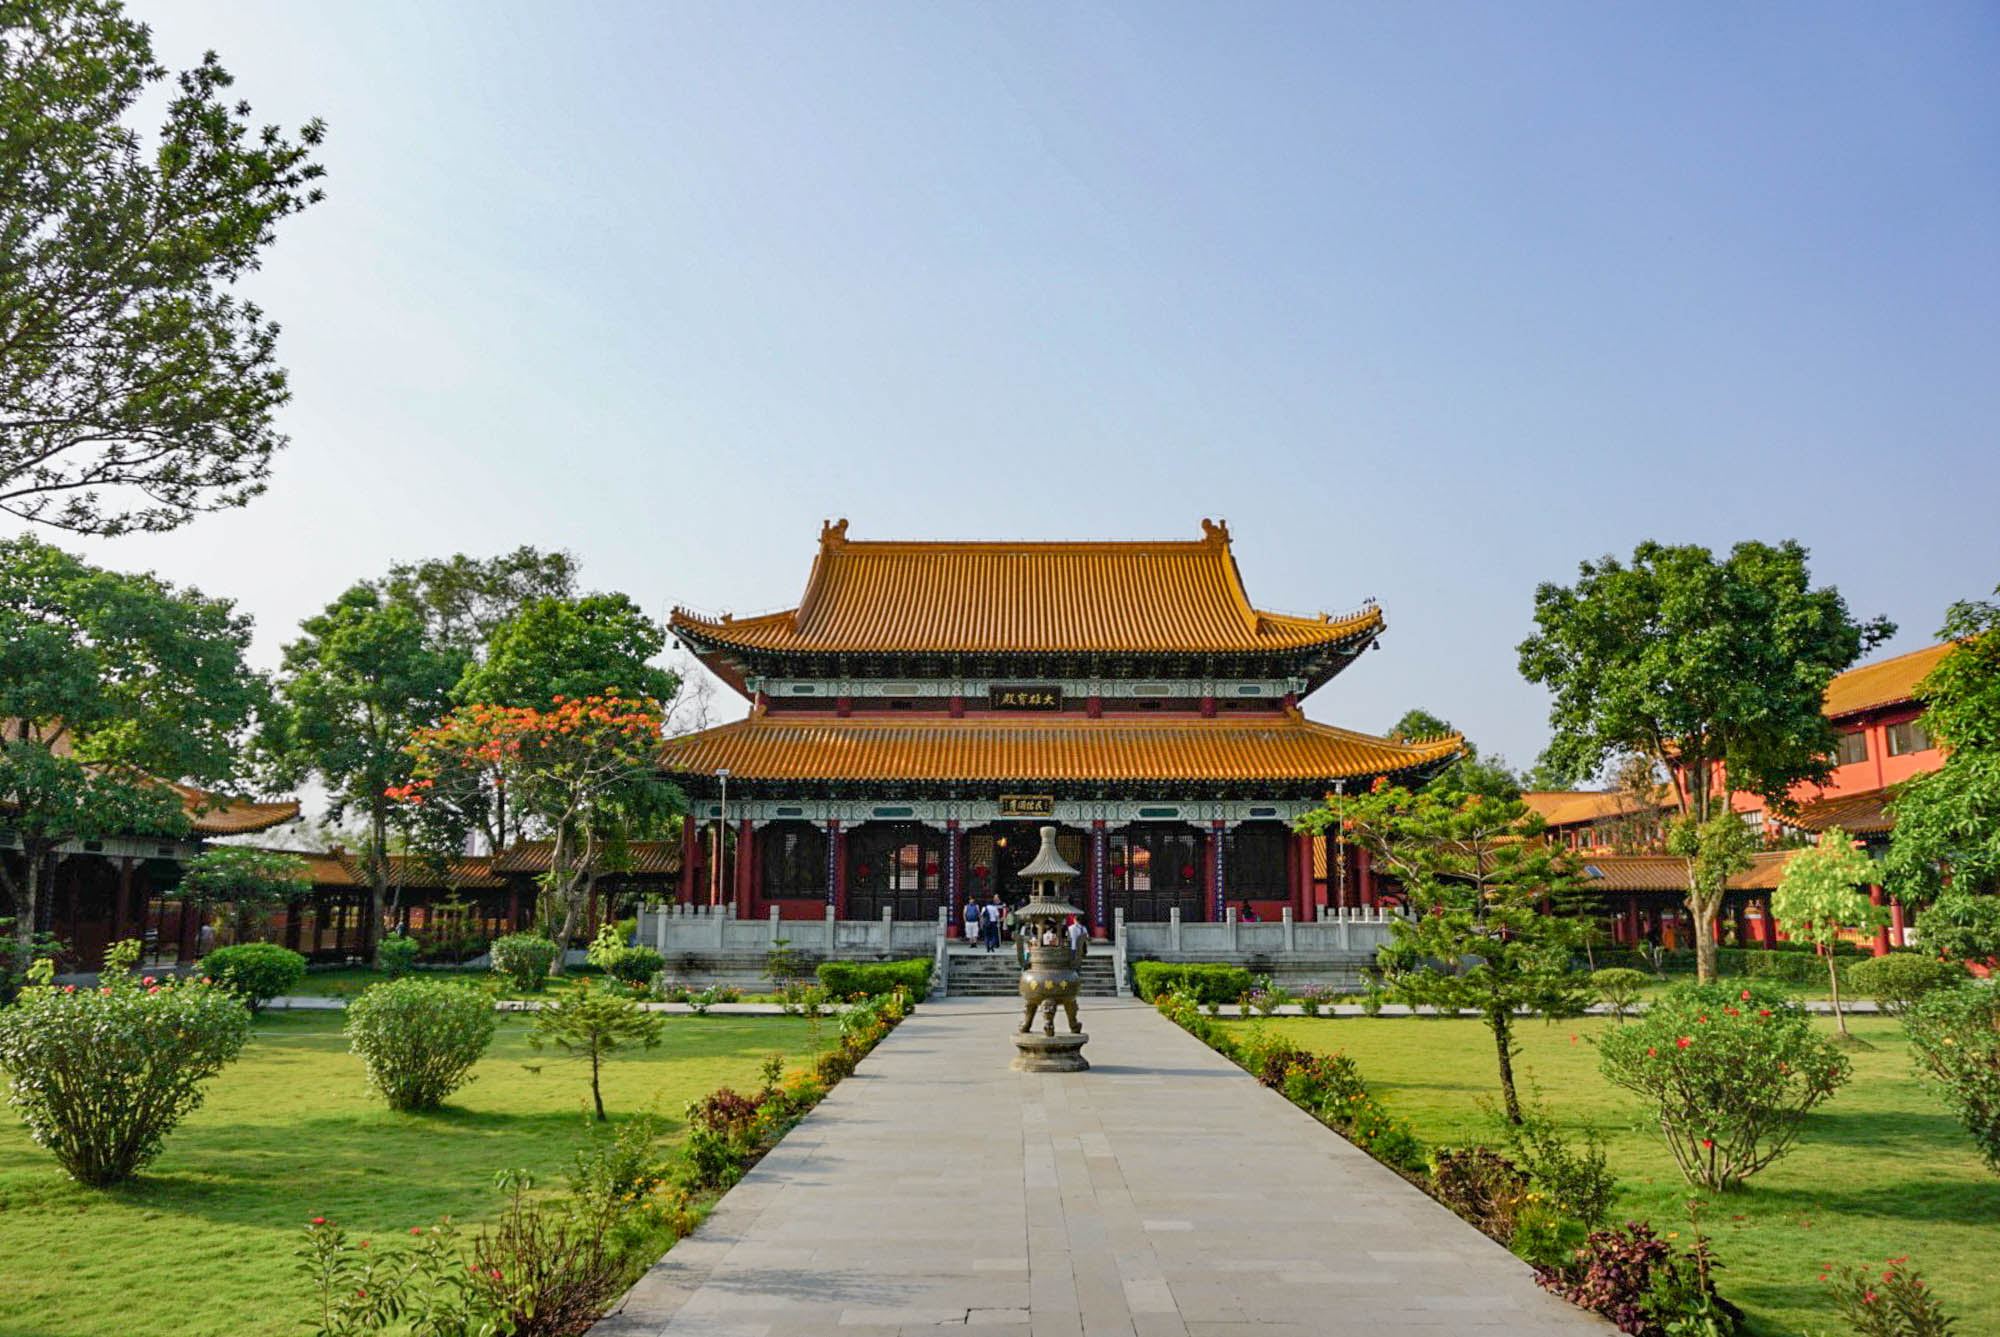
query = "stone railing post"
{"x": 1173, "y": 927}
{"x": 889, "y": 929}
{"x": 1291, "y": 933}
{"x": 829, "y": 933}
{"x": 774, "y": 926}
{"x": 1346, "y": 944}
{"x": 1235, "y": 936}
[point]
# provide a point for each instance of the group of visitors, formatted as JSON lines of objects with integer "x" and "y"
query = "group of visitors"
{"x": 984, "y": 924}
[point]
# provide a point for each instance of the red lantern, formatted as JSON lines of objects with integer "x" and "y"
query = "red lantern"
{"x": 1187, "y": 870}
{"x": 979, "y": 871}
{"x": 931, "y": 869}
{"x": 863, "y": 871}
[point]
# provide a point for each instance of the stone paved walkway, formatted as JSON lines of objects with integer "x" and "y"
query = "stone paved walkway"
{"x": 1162, "y": 1193}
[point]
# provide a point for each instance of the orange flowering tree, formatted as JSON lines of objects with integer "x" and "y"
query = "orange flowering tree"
{"x": 581, "y": 770}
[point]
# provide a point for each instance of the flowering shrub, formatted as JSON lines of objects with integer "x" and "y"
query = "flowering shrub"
{"x": 1314, "y": 998}
{"x": 419, "y": 1038}
{"x": 1898, "y": 980}
{"x": 1730, "y": 1073}
{"x": 524, "y": 959}
{"x": 1576, "y": 1182}
{"x": 729, "y": 1114}
{"x": 1955, "y": 1041}
{"x": 1891, "y": 1303}
{"x": 255, "y": 971}
{"x": 102, "y": 1075}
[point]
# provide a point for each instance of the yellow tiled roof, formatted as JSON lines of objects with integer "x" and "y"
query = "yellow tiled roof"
{"x": 1561, "y": 807}
{"x": 1883, "y": 683}
{"x": 214, "y": 815}
{"x": 643, "y": 857}
{"x": 1175, "y": 596}
{"x": 1666, "y": 872}
{"x": 1862, "y": 813}
{"x": 1283, "y": 746}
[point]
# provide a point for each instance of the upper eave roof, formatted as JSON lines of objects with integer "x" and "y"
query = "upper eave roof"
{"x": 1668, "y": 872}
{"x": 1886, "y": 682}
{"x": 1284, "y": 747}
{"x": 1128, "y": 597}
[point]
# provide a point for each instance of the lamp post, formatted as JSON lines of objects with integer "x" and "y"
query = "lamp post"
{"x": 721, "y": 838}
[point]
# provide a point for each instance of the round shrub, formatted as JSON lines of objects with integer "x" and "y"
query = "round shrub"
{"x": 524, "y": 958}
{"x": 419, "y": 1038}
{"x": 102, "y": 1075}
{"x": 1955, "y": 1041}
{"x": 1899, "y": 979}
{"x": 633, "y": 965}
{"x": 1730, "y": 1073}
{"x": 257, "y": 972}
{"x": 396, "y": 956}
{"x": 1619, "y": 987}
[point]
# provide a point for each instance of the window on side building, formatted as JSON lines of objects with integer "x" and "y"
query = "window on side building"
{"x": 1907, "y": 737}
{"x": 1853, "y": 748}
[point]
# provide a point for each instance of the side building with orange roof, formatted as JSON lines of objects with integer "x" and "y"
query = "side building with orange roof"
{"x": 927, "y": 705}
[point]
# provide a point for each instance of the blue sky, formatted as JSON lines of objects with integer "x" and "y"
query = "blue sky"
{"x": 1429, "y": 301}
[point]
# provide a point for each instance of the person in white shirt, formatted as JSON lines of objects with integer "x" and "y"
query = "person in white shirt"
{"x": 1077, "y": 932}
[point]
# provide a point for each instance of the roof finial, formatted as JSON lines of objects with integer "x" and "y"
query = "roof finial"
{"x": 833, "y": 531}
{"x": 1215, "y": 531}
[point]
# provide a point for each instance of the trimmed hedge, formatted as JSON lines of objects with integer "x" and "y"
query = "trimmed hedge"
{"x": 876, "y": 979}
{"x": 1898, "y": 980}
{"x": 1790, "y": 962}
{"x": 1208, "y": 982}
{"x": 255, "y": 971}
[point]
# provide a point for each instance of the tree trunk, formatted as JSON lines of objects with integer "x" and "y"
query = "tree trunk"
{"x": 1502, "y": 1024}
{"x": 27, "y": 904}
{"x": 378, "y": 881}
{"x": 1833, "y": 975}
{"x": 1704, "y": 938}
{"x": 595, "y": 1094}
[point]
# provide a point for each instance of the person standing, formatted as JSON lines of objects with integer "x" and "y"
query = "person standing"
{"x": 971, "y": 921}
{"x": 990, "y": 916}
{"x": 1076, "y": 933}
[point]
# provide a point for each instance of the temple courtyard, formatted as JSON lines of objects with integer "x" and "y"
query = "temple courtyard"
{"x": 1164, "y": 1192}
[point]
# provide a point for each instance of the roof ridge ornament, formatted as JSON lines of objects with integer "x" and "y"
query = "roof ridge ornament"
{"x": 832, "y": 532}
{"x": 1215, "y": 531}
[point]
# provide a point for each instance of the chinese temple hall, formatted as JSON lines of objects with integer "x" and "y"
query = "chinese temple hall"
{"x": 928, "y": 705}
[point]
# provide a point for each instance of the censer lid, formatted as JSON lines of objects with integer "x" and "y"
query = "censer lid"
{"x": 1048, "y": 861}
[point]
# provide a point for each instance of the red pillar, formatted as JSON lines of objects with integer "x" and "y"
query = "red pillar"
{"x": 1631, "y": 917}
{"x": 746, "y": 870}
{"x": 839, "y": 869}
{"x": 954, "y": 859}
{"x": 1365, "y": 877}
{"x": 690, "y": 861}
{"x": 1896, "y": 925}
{"x": 1881, "y": 945}
{"x": 1302, "y": 875}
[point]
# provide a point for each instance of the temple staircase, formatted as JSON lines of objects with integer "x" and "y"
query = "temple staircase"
{"x": 975, "y": 973}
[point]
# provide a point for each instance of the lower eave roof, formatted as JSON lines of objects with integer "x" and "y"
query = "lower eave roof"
{"x": 1282, "y": 748}
{"x": 1863, "y": 813}
{"x": 1667, "y": 872}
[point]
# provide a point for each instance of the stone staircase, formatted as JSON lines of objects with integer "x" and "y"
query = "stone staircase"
{"x": 977, "y": 974}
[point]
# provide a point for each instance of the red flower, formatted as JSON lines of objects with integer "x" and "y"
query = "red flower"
{"x": 319, "y": 1220}
{"x": 1708, "y": 1142}
{"x": 1652, "y": 1053}
{"x": 1763, "y": 1011}
{"x": 1684, "y": 1041}
{"x": 1745, "y": 995}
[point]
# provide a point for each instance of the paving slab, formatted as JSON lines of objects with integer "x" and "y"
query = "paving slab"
{"x": 1164, "y": 1193}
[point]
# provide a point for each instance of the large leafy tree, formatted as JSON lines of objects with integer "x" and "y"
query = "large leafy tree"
{"x": 110, "y": 685}
{"x": 137, "y": 389}
{"x": 1714, "y": 669}
{"x": 582, "y": 769}
{"x": 1471, "y": 773}
{"x": 256, "y": 883}
{"x": 1819, "y": 899}
{"x": 1480, "y": 883}
{"x": 1947, "y": 837}
{"x": 465, "y": 600}
{"x": 360, "y": 679}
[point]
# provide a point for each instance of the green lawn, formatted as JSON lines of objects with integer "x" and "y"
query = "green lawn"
{"x": 201, "y": 1243}
{"x": 1882, "y": 1169}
